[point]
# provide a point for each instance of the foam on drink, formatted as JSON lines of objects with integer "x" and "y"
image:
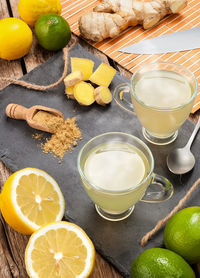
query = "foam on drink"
{"x": 163, "y": 89}
{"x": 115, "y": 166}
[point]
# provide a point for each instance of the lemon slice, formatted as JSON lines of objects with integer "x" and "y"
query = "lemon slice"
{"x": 59, "y": 250}
{"x": 31, "y": 198}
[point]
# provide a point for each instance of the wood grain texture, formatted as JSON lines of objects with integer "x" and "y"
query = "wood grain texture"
{"x": 8, "y": 68}
{"x": 12, "y": 244}
{"x": 37, "y": 55}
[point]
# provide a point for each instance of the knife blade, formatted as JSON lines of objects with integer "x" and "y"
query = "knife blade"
{"x": 178, "y": 41}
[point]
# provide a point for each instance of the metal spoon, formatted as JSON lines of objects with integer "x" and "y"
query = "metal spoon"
{"x": 181, "y": 161}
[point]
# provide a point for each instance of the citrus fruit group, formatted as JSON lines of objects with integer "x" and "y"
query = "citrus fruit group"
{"x": 31, "y": 10}
{"x": 182, "y": 234}
{"x": 52, "y": 31}
{"x": 60, "y": 249}
{"x": 31, "y": 198}
{"x": 160, "y": 263}
{"x": 15, "y": 38}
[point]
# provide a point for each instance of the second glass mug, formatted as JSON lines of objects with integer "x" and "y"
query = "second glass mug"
{"x": 160, "y": 124}
{"x": 115, "y": 205}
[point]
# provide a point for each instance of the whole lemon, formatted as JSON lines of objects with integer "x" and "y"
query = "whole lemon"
{"x": 15, "y": 38}
{"x": 31, "y": 10}
{"x": 52, "y": 31}
{"x": 182, "y": 234}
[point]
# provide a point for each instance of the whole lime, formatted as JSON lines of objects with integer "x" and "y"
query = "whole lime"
{"x": 182, "y": 234}
{"x": 160, "y": 263}
{"x": 52, "y": 31}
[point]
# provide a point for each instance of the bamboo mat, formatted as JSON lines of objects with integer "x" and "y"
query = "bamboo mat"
{"x": 188, "y": 18}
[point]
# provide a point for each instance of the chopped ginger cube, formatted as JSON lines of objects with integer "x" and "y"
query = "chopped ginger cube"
{"x": 73, "y": 78}
{"x": 70, "y": 92}
{"x": 83, "y": 65}
{"x": 103, "y": 75}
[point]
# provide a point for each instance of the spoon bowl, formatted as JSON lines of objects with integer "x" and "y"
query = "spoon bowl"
{"x": 181, "y": 160}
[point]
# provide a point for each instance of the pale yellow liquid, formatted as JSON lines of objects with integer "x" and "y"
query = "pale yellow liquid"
{"x": 161, "y": 92}
{"x": 115, "y": 167}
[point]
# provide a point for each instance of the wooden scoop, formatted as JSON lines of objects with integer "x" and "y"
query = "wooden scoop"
{"x": 19, "y": 112}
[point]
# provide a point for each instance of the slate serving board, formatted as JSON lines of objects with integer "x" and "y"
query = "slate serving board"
{"x": 118, "y": 242}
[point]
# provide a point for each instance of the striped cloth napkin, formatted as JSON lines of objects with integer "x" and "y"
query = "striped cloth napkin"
{"x": 188, "y": 18}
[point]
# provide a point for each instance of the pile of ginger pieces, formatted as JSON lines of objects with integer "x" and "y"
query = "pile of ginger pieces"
{"x": 110, "y": 17}
{"x": 83, "y": 92}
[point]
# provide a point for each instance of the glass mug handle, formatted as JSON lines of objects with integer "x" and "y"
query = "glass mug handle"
{"x": 159, "y": 190}
{"x": 120, "y": 97}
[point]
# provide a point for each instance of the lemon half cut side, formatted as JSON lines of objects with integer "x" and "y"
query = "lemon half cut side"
{"x": 30, "y": 199}
{"x": 59, "y": 250}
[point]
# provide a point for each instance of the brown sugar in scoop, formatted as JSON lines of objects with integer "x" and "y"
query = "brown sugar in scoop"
{"x": 38, "y": 117}
{"x": 48, "y": 119}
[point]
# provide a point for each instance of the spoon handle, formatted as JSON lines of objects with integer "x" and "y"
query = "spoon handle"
{"x": 16, "y": 111}
{"x": 194, "y": 133}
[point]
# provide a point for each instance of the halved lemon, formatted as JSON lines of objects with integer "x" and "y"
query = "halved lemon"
{"x": 30, "y": 199}
{"x": 59, "y": 250}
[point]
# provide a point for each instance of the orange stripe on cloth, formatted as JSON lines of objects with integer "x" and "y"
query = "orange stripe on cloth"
{"x": 188, "y": 18}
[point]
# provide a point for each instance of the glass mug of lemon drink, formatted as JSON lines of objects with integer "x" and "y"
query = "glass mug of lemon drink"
{"x": 116, "y": 170}
{"x": 162, "y": 95}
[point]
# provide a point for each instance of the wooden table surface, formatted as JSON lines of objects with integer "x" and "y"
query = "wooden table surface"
{"x": 12, "y": 244}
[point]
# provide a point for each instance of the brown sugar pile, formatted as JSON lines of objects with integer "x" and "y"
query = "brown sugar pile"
{"x": 65, "y": 137}
{"x": 37, "y": 136}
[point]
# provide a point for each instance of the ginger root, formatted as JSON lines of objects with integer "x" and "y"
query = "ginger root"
{"x": 103, "y": 75}
{"x": 83, "y": 65}
{"x": 111, "y": 17}
{"x": 102, "y": 95}
{"x": 73, "y": 78}
{"x": 84, "y": 93}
